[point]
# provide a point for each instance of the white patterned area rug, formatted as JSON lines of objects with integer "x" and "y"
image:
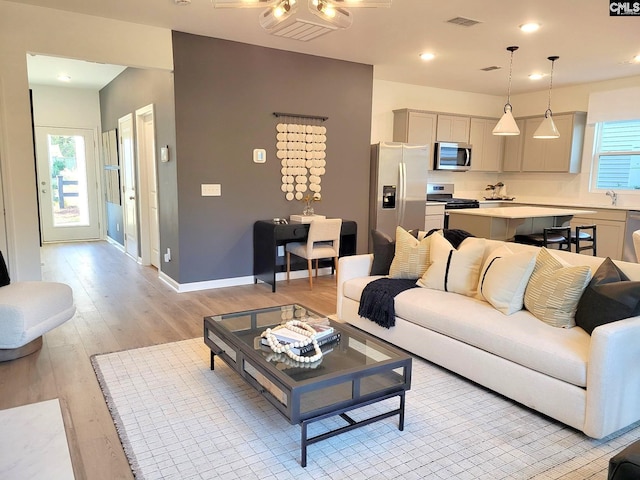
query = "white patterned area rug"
{"x": 178, "y": 419}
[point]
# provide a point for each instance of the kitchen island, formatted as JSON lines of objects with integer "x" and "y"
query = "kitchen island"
{"x": 503, "y": 223}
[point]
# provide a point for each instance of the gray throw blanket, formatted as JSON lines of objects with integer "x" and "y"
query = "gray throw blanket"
{"x": 377, "y": 299}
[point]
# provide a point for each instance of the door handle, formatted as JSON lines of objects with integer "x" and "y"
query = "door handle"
{"x": 132, "y": 198}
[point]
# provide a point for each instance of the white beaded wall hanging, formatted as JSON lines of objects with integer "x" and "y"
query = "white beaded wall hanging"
{"x": 301, "y": 149}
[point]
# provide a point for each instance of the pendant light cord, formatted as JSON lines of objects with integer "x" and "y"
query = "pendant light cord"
{"x": 548, "y": 112}
{"x": 508, "y": 104}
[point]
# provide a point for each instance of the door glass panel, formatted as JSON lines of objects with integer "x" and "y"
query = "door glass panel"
{"x": 67, "y": 164}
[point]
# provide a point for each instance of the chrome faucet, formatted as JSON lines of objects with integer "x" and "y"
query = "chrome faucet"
{"x": 614, "y": 197}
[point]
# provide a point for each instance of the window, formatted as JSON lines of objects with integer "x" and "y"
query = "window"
{"x": 617, "y": 155}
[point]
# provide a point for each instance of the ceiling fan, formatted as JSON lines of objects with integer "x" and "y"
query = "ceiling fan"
{"x": 284, "y": 18}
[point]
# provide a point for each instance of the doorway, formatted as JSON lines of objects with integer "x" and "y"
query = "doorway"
{"x": 149, "y": 223}
{"x": 67, "y": 184}
{"x": 129, "y": 190}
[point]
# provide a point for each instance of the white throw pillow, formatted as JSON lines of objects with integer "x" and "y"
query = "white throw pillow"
{"x": 554, "y": 290}
{"x": 504, "y": 278}
{"x": 454, "y": 270}
{"x": 411, "y": 258}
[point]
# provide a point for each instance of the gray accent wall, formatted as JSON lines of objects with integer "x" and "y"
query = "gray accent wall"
{"x": 133, "y": 89}
{"x": 225, "y": 96}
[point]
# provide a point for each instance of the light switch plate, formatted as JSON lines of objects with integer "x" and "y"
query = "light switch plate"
{"x": 211, "y": 190}
{"x": 259, "y": 155}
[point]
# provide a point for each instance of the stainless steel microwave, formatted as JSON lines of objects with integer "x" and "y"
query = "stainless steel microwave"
{"x": 452, "y": 156}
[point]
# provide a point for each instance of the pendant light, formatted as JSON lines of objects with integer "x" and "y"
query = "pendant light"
{"x": 507, "y": 124}
{"x": 547, "y": 128}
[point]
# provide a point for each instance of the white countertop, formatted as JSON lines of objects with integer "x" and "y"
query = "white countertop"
{"x": 556, "y": 203}
{"x": 520, "y": 212}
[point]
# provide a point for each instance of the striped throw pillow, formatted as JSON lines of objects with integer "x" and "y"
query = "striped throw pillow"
{"x": 554, "y": 290}
{"x": 411, "y": 258}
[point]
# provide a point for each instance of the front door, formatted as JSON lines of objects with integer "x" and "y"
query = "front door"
{"x": 67, "y": 184}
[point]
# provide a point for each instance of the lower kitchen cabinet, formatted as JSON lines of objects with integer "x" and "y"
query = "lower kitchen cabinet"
{"x": 610, "y": 226}
{"x": 434, "y": 216}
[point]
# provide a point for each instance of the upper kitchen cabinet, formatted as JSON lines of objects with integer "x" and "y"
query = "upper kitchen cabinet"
{"x": 414, "y": 126}
{"x": 562, "y": 154}
{"x": 513, "y": 146}
{"x": 453, "y": 128}
{"x": 485, "y": 146}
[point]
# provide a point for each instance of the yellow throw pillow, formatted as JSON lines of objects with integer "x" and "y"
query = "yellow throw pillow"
{"x": 554, "y": 290}
{"x": 454, "y": 270}
{"x": 412, "y": 256}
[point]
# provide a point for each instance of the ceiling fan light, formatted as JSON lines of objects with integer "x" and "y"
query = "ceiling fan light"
{"x": 332, "y": 13}
{"x": 547, "y": 128}
{"x": 273, "y": 16}
{"x": 507, "y": 125}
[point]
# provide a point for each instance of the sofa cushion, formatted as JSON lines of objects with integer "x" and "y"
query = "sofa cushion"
{"x": 554, "y": 290}
{"x": 384, "y": 248}
{"x": 454, "y": 270}
{"x": 504, "y": 278}
{"x": 411, "y": 257}
{"x": 353, "y": 288}
{"x": 610, "y": 296}
{"x": 521, "y": 338}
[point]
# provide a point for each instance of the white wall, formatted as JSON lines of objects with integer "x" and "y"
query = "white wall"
{"x": 561, "y": 188}
{"x": 66, "y": 107}
{"x": 24, "y": 29}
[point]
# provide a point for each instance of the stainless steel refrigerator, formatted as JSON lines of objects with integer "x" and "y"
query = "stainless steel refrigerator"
{"x": 398, "y": 188}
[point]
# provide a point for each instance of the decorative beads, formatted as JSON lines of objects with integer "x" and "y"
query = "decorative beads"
{"x": 302, "y": 328}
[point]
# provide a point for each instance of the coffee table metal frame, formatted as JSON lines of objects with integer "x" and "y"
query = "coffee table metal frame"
{"x": 384, "y": 375}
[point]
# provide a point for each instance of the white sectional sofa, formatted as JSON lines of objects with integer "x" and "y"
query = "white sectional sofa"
{"x": 589, "y": 382}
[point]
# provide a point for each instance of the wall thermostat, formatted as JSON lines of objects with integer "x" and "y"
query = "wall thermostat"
{"x": 259, "y": 155}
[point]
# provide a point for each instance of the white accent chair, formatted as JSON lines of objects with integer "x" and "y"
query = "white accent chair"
{"x": 27, "y": 311}
{"x": 323, "y": 241}
{"x": 636, "y": 244}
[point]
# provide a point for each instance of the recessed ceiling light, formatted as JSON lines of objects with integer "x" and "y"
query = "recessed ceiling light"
{"x": 536, "y": 76}
{"x": 64, "y": 78}
{"x": 636, "y": 58}
{"x": 427, "y": 56}
{"x": 529, "y": 27}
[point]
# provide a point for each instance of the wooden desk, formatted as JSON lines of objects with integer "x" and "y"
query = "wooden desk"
{"x": 268, "y": 236}
{"x": 503, "y": 223}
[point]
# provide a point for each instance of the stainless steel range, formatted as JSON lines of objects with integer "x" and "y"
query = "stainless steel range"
{"x": 443, "y": 192}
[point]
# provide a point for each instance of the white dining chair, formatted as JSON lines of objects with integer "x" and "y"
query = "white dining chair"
{"x": 636, "y": 244}
{"x": 323, "y": 241}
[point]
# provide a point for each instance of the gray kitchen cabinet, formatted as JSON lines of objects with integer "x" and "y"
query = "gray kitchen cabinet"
{"x": 561, "y": 155}
{"x": 453, "y": 128}
{"x": 610, "y": 225}
{"x": 433, "y": 216}
{"x": 512, "y": 152}
{"x": 414, "y": 126}
{"x": 486, "y": 147}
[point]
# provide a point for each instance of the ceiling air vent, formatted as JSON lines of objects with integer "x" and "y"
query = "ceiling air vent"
{"x": 463, "y": 22}
{"x": 488, "y": 69}
{"x": 303, "y": 30}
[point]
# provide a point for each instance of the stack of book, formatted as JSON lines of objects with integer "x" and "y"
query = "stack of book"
{"x": 326, "y": 334}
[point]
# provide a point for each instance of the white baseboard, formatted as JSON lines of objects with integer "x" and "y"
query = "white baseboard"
{"x": 231, "y": 282}
{"x": 114, "y": 243}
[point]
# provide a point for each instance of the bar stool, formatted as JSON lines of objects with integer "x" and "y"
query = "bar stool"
{"x": 560, "y": 236}
{"x": 579, "y": 236}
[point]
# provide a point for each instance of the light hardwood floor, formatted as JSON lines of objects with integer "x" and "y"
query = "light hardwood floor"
{"x": 121, "y": 305}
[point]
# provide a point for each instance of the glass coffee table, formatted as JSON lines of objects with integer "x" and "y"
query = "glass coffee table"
{"x": 355, "y": 371}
